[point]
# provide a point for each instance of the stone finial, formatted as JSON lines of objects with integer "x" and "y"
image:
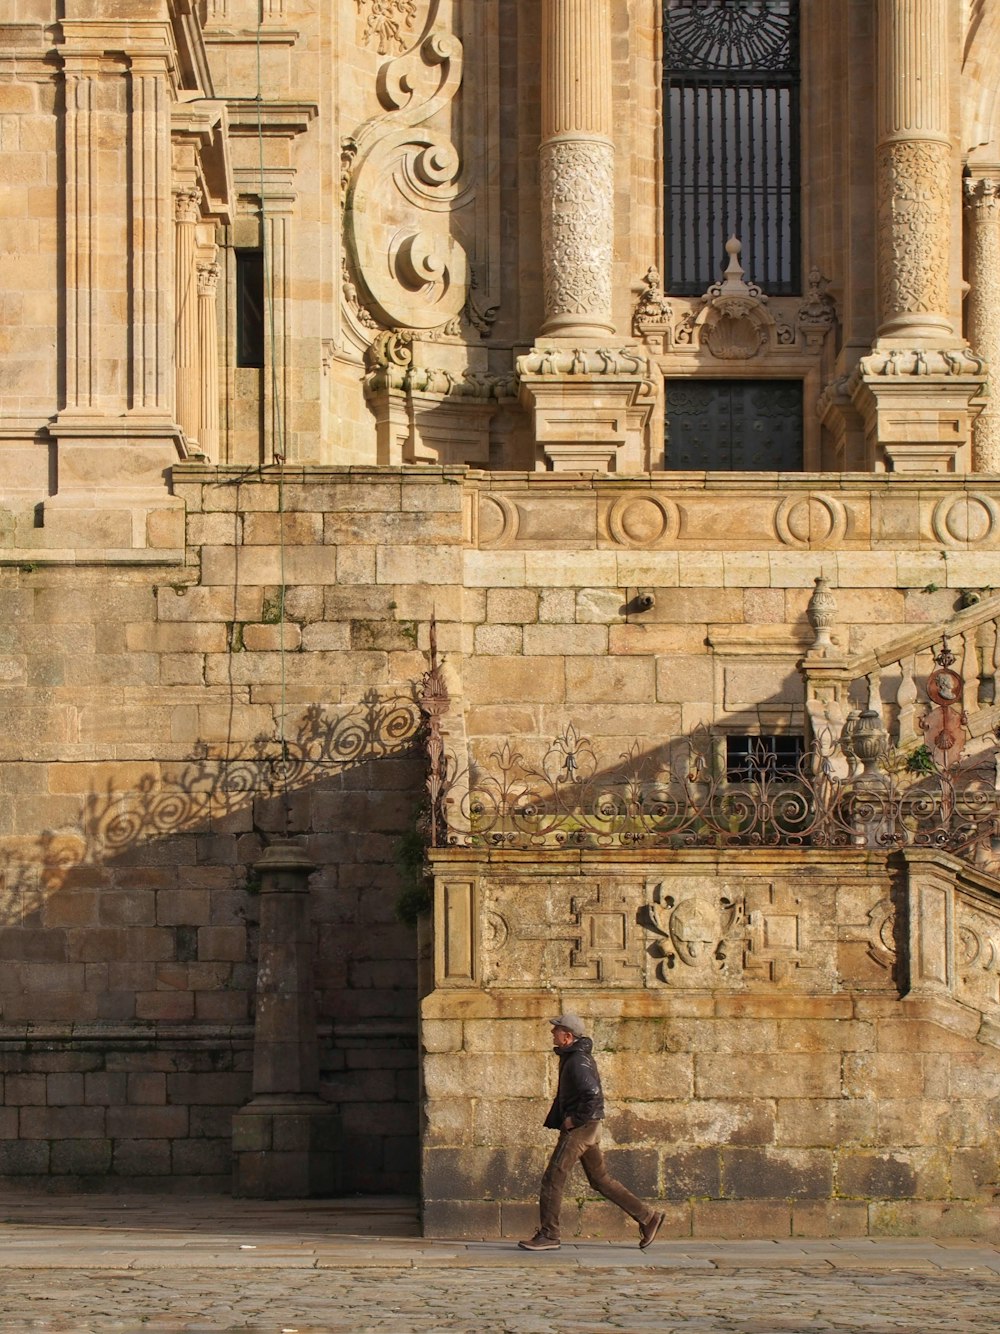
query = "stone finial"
{"x": 652, "y": 306}
{"x": 821, "y": 611}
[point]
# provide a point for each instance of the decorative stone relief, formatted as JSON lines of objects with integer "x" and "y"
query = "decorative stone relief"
{"x": 882, "y": 933}
{"x": 695, "y": 925}
{"x": 922, "y": 361}
{"x": 816, "y": 520}
{"x": 390, "y": 362}
{"x": 388, "y": 23}
{"x": 577, "y": 188}
{"x": 653, "y": 312}
{"x": 581, "y": 939}
{"x": 914, "y": 193}
{"x": 733, "y": 322}
{"x": 643, "y": 522}
{"x": 818, "y": 312}
{"x": 777, "y": 939}
{"x": 406, "y": 183}
{"x": 498, "y": 521}
{"x": 964, "y": 519}
{"x": 557, "y": 361}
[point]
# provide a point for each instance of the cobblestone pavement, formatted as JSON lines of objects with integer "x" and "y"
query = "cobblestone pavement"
{"x": 112, "y": 1264}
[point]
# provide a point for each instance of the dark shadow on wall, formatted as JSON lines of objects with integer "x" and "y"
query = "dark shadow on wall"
{"x": 128, "y": 944}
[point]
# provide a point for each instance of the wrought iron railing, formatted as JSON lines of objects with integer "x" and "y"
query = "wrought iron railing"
{"x": 852, "y": 788}
{"x": 850, "y": 796}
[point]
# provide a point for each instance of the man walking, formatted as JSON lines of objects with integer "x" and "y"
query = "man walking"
{"x": 577, "y": 1113}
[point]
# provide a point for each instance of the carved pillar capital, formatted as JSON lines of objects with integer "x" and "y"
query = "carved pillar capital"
{"x": 982, "y": 195}
{"x": 208, "y": 279}
{"x": 187, "y": 204}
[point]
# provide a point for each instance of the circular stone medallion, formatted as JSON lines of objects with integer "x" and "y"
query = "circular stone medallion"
{"x": 643, "y": 521}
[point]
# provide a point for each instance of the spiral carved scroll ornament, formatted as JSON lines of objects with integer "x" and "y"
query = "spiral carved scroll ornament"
{"x": 405, "y": 182}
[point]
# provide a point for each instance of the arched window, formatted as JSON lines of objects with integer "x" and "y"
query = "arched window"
{"x": 731, "y": 111}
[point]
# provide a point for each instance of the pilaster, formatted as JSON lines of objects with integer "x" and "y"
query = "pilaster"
{"x": 286, "y": 1139}
{"x": 279, "y": 427}
{"x": 208, "y": 357}
{"x": 187, "y": 211}
{"x": 114, "y": 434}
{"x": 982, "y": 204}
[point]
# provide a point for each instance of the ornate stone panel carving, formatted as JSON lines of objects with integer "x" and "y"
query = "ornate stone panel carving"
{"x": 563, "y": 933}
{"x": 695, "y": 922}
{"x": 577, "y": 186}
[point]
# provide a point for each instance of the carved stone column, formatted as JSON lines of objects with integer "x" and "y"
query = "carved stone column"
{"x": 286, "y": 1139}
{"x": 982, "y": 200}
{"x": 208, "y": 357}
{"x": 914, "y": 169}
{"x": 914, "y": 392}
{"x": 591, "y": 404}
{"x": 577, "y": 168}
{"x": 187, "y": 201}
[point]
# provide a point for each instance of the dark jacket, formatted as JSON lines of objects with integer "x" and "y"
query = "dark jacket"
{"x": 579, "y": 1095}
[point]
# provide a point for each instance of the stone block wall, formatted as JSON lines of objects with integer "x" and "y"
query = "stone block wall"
{"x": 142, "y": 710}
{"x": 796, "y": 1076}
{"x": 137, "y": 795}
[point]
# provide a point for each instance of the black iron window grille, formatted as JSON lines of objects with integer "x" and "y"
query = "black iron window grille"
{"x": 778, "y": 755}
{"x": 731, "y": 121}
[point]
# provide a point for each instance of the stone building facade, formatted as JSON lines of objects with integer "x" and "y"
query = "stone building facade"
{"x": 577, "y": 401}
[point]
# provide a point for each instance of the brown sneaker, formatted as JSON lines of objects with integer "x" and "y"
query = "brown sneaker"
{"x": 649, "y": 1229}
{"x": 539, "y": 1242}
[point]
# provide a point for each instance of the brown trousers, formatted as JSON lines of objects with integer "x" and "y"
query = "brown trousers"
{"x": 582, "y": 1145}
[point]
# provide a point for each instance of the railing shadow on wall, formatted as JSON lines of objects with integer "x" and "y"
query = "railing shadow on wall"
{"x": 305, "y": 783}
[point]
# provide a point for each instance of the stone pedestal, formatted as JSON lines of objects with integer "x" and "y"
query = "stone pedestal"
{"x": 589, "y": 410}
{"x": 286, "y": 1141}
